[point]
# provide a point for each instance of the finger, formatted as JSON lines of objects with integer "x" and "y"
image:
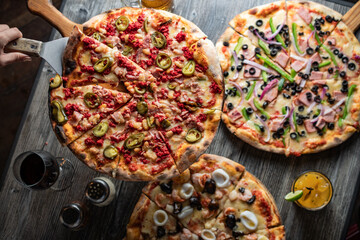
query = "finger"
{"x": 9, "y": 35}
{"x": 3, "y": 27}
{"x": 8, "y": 58}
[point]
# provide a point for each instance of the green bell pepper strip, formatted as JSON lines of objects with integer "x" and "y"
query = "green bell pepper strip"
{"x": 281, "y": 84}
{"x": 294, "y": 121}
{"x": 248, "y": 96}
{"x": 277, "y": 37}
{"x": 285, "y": 132}
{"x": 293, "y": 73}
{"x": 315, "y": 33}
{"x": 264, "y": 47}
{"x": 294, "y": 32}
{"x": 264, "y": 74}
{"x": 332, "y": 56}
{"x": 324, "y": 64}
{"x": 236, "y": 49}
{"x": 263, "y": 112}
{"x": 276, "y": 68}
{"x": 257, "y": 126}
{"x": 350, "y": 93}
{"x": 244, "y": 113}
{"x": 283, "y": 110}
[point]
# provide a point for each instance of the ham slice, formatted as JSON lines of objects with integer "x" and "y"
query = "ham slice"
{"x": 248, "y": 54}
{"x": 271, "y": 94}
{"x": 234, "y": 115}
{"x": 303, "y": 45}
{"x": 339, "y": 95}
{"x": 305, "y": 15}
{"x": 316, "y": 75}
{"x": 282, "y": 59}
{"x": 76, "y": 118}
{"x": 117, "y": 117}
{"x": 316, "y": 57}
{"x": 298, "y": 65}
{"x": 309, "y": 126}
{"x": 303, "y": 99}
{"x": 319, "y": 82}
{"x": 255, "y": 75}
{"x": 275, "y": 125}
{"x": 330, "y": 115}
{"x": 321, "y": 122}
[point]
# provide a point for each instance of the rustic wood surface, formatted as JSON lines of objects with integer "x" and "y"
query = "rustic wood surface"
{"x": 29, "y": 214}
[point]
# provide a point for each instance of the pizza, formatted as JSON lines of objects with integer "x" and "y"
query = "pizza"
{"x": 216, "y": 198}
{"x": 141, "y": 94}
{"x": 291, "y": 73}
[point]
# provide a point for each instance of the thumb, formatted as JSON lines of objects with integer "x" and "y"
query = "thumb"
{"x": 8, "y": 58}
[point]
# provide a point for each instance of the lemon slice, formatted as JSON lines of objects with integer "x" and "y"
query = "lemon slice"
{"x": 293, "y": 196}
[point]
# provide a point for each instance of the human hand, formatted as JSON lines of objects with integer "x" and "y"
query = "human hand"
{"x": 7, "y": 35}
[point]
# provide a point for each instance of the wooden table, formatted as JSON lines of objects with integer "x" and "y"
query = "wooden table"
{"x": 28, "y": 214}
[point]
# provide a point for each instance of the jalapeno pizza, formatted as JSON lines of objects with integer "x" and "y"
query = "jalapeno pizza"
{"x": 216, "y": 198}
{"x": 291, "y": 71}
{"x": 141, "y": 94}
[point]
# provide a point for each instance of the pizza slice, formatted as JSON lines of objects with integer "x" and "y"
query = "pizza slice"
{"x": 141, "y": 33}
{"x": 248, "y": 209}
{"x": 75, "y": 110}
{"x": 88, "y": 61}
{"x": 148, "y": 221}
{"x": 276, "y": 233}
{"x": 123, "y": 139}
{"x": 259, "y": 112}
{"x": 325, "y": 114}
{"x": 267, "y": 28}
{"x": 310, "y": 24}
{"x": 241, "y": 59}
{"x": 341, "y": 55}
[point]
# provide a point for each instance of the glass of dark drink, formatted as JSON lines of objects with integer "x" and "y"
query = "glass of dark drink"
{"x": 40, "y": 170}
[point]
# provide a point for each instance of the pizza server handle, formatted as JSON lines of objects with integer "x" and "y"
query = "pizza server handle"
{"x": 28, "y": 46}
{"x": 45, "y": 9}
{"x": 352, "y": 17}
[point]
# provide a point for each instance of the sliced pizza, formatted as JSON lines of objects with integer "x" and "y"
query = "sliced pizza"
{"x": 76, "y": 110}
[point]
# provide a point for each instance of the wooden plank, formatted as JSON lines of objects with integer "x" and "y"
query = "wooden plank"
{"x": 34, "y": 215}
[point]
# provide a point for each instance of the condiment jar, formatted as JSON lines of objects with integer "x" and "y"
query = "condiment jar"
{"x": 100, "y": 191}
{"x": 74, "y": 215}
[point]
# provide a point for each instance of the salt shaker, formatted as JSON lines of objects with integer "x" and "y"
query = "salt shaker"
{"x": 100, "y": 191}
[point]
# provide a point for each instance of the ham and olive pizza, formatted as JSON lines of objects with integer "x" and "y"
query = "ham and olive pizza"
{"x": 291, "y": 71}
{"x": 216, "y": 198}
{"x": 141, "y": 94}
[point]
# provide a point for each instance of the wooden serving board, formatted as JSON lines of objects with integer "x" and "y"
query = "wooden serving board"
{"x": 34, "y": 214}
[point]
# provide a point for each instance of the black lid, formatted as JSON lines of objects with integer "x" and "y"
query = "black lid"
{"x": 97, "y": 191}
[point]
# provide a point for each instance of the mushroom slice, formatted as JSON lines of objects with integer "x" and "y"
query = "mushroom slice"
{"x": 206, "y": 234}
{"x": 249, "y": 220}
{"x": 186, "y": 191}
{"x": 221, "y": 178}
{"x": 160, "y": 218}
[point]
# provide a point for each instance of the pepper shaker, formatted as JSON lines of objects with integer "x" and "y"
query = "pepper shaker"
{"x": 74, "y": 215}
{"x": 100, "y": 191}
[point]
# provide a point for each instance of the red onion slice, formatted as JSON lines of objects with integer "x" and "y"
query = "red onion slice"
{"x": 338, "y": 104}
{"x": 298, "y": 58}
{"x": 322, "y": 94}
{"x": 268, "y": 87}
{"x": 311, "y": 107}
{"x": 240, "y": 90}
{"x": 287, "y": 114}
{"x": 236, "y": 63}
{"x": 310, "y": 36}
{"x": 292, "y": 119}
{"x": 267, "y": 130}
{"x": 321, "y": 113}
{"x": 272, "y": 36}
{"x": 259, "y": 66}
{"x": 256, "y": 89}
{"x": 302, "y": 83}
{"x": 308, "y": 66}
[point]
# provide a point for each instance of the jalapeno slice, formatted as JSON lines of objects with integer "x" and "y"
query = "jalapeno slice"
{"x": 102, "y": 64}
{"x": 158, "y": 39}
{"x": 150, "y": 121}
{"x": 96, "y": 36}
{"x": 127, "y": 50}
{"x": 58, "y": 112}
{"x": 101, "y": 129}
{"x": 189, "y": 68}
{"x": 140, "y": 90}
{"x": 146, "y": 27}
{"x": 191, "y": 106}
{"x": 134, "y": 141}
{"x": 142, "y": 107}
{"x": 163, "y": 61}
{"x": 92, "y": 100}
{"x": 122, "y": 23}
{"x": 111, "y": 152}
{"x": 165, "y": 123}
{"x": 171, "y": 86}
{"x": 193, "y": 135}
{"x": 55, "y": 82}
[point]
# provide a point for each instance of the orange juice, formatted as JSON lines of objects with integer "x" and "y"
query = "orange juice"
{"x": 317, "y": 190}
{"x": 158, "y": 4}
